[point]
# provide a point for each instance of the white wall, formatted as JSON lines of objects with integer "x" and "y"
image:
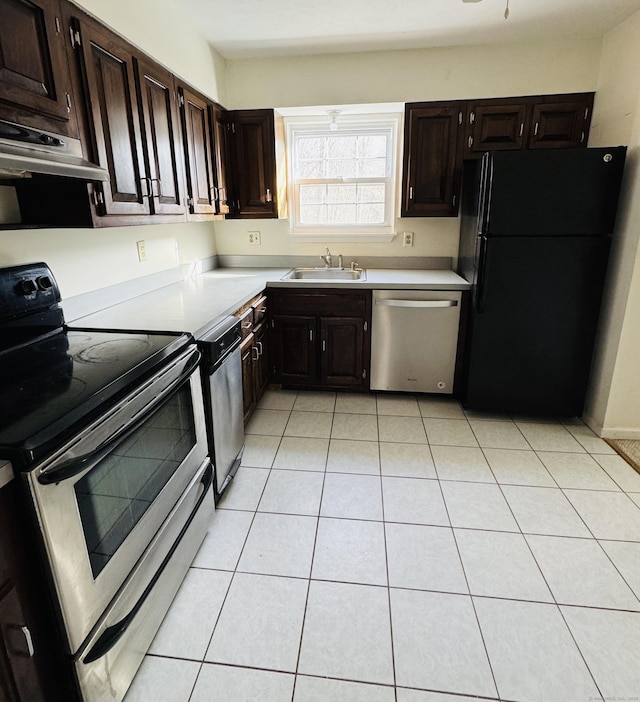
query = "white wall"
{"x": 613, "y": 404}
{"x": 398, "y": 76}
{"x": 86, "y": 259}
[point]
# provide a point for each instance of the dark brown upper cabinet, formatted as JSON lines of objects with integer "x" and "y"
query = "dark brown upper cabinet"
{"x": 562, "y": 122}
{"x": 432, "y": 159}
{"x": 496, "y": 125}
{"x": 161, "y": 130}
{"x": 254, "y": 164}
{"x": 222, "y": 129}
{"x": 34, "y": 74}
{"x": 196, "y": 124}
{"x": 532, "y": 122}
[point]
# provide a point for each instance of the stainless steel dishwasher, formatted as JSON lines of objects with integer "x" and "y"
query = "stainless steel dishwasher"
{"x": 222, "y": 384}
{"x": 414, "y": 339}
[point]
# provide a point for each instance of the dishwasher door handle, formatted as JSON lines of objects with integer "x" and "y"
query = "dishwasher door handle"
{"x": 417, "y": 303}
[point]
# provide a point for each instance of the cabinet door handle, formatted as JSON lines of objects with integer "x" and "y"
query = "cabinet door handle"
{"x": 417, "y": 303}
{"x": 259, "y": 347}
{"x": 521, "y": 128}
{"x": 269, "y": 198}
{"x": 247, "y": 325}
{"x": 21, "y": 642}
{"x": 310, "y": 334}
{"x": 411, "y": 193}
{"x": 146, "y": 188}
{"x": 257, "y": 353}
{"x": 535, "y": 129}
{"x": 324, "y": 345}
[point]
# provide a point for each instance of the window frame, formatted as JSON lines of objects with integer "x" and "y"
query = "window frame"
{"x": 318, "y": 125}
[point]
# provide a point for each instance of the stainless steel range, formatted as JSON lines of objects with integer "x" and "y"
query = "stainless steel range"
{"x": 107, "y": 431}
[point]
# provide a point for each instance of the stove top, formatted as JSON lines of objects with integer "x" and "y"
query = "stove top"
{"x": 51, "y": 385}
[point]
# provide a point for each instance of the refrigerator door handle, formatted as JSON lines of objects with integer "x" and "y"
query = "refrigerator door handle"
{"x": 480, "y": 284}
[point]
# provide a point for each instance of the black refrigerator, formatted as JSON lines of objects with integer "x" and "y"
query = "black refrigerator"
{"x": 535, "y": 236}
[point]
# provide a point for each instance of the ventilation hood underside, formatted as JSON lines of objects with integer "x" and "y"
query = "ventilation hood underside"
{"x": 24, "y": 151}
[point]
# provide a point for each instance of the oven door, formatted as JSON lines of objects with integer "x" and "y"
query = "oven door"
{"x": 101, "y": 499}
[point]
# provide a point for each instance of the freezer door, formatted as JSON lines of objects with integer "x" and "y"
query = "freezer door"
{"x": 552, "y": 193}
{"x": 533, "y": 323}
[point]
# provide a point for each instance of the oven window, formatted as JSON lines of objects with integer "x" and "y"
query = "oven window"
{"x": 115, "y": 494}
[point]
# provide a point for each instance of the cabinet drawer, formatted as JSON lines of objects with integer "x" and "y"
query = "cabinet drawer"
{"x": 259, "y": 309}
{"x": 246, "y": 321}
{"x": 327, "y": 303}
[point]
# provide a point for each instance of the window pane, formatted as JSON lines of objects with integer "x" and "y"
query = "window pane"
{"x": 313, "y": 214}
{"x": 372, "y": 146}
{"x": 311, "y": 169}
{"x": 371, "y": 192}
{"x": 312, "y": 194}
{"x": 341, "y": 214}
{"x": 372, "y": 168}
{"x": 311, "y": 147}
{"x": 371, "y": 214}
{"x": 341, "y": 193}
{"x": 341, "y": 147}
{"x": 341, "y": 169}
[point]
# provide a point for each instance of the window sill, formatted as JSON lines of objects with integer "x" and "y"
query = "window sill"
{"x": 362, "y": 238}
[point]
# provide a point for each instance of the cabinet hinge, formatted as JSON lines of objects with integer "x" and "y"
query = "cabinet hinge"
{"x": 366, "y": 326}
{"x": 273, "y": 324}
{"x": 460, "y": 117}
{"x": 98, "y": 197}
{"x": 68, "y": 98}
{"x": 470, "y": 142}
{"x": 455, "y": 199}
{"x": 190, "y": 201}
{"x": 472, "y": 117}
{"x": 57, "y": 21}
{"x": 233, "y": 127}
{"x": 364, "y": 374}
{"x": 75, "y": 38}
{"x": 181, "y": 100}
{"x": 586, "y": 112}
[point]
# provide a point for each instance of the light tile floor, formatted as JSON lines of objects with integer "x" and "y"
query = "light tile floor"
{"x": 398, "y": 549}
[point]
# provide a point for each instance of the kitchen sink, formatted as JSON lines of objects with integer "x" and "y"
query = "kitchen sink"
{"x": 345, "y": 274}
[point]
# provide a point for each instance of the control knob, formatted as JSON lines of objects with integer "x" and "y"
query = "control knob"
{"x": 28, "y": 286}
{"x": 44, "y": 282}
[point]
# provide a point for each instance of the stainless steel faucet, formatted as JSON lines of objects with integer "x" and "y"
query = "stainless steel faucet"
{"x": 327, "y": 258}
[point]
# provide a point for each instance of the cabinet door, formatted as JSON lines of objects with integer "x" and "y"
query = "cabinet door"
{"x": 254, "y": 163}
{"x": 561, "y": 124}
{"x": 342, "y": 351}
{"x": 494, "y": 126}
{"x": 197, "y": 132}
{"x": 294, "y": 349}
{"x": 432, "y": 159}
{"x": 223, "y": 164}
{"x": 34, "y": 75}
{"x": 161, "y": 131}
{"x": 261, "y": 362}
{"x": 247, "y": 354}
{"x": 114, "y": 120}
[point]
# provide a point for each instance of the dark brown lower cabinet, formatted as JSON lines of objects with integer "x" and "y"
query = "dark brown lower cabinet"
{"x": 320, "y": 338}
{"x": 254, "y": 352}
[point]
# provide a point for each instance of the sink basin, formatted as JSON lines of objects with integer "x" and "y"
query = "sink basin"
{"x": 345, "y": 274}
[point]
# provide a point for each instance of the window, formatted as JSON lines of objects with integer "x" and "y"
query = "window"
{"x": 342, "y": 181}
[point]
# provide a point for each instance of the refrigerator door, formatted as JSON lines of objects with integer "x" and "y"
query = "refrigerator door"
{"x": 554, "y": 193}
{"x": 533, "y": 323}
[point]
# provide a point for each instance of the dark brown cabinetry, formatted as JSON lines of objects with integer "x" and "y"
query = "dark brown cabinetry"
{"x": 133, "y": 123}
{"x": 34, "y": 75}
{"x": 432, "y": 159}
{"x": 196, "y": 122}
{"x": 254, "y": 352}
{"x": 320, "y": 338}
{"x": 253, "y": 164}
{"x": 221, "y": 130}
{"x": 439, "y": 135}
{"x": 534, "y": 122}
{"x": 31, "y": 666}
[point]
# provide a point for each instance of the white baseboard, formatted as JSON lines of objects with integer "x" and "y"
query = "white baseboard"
{"x": 620, "y": 433}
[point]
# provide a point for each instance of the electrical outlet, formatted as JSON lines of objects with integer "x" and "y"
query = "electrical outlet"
{"x": 407, "y": 239}
{"x": 142, "y": 251}
{"x": 254, "y": 238}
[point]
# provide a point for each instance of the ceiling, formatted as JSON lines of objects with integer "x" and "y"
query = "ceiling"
{"x": 254, "y": 28}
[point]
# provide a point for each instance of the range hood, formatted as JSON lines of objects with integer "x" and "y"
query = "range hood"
{"x": 24, "y": 151}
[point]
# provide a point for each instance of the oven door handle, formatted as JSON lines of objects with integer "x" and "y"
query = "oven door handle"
{"x": 74, "y": 466}
{"x": 110, "y": 636}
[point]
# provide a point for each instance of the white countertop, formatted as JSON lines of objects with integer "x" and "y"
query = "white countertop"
{"x": 196, "y": 304}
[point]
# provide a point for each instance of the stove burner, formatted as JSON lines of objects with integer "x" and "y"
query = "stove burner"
{"x": 113, "y": 351}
